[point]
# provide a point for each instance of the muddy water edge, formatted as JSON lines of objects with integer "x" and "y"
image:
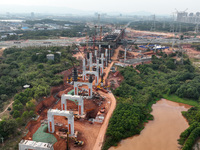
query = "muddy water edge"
{"x": 161, "y": 133}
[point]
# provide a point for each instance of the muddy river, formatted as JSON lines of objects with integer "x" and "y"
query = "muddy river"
{"x": 161, "y": 133}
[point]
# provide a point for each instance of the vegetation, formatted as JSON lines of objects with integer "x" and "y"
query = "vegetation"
{"x": 191, "y": 134}
{"x": 175, "y": 98}
{"x": 139, "y": 90}
{"x": 30, "y": 66}
{"x": 72, "y": 30}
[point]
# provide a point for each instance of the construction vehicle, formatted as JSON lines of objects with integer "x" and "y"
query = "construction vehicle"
{"x": 102, "y": 110}
{"x": 69, "y": 79}
{"x": 78, "y": 143}
{"x": 76, "y": 117}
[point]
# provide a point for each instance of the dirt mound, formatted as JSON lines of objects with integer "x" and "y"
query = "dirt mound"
{"x": 46, "y": 103}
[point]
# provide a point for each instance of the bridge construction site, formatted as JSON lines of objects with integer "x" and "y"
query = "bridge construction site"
{"x": 77, "y": 113}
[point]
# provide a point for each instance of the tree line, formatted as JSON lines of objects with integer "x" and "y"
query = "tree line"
{"x": 29, "y": 65}
{"x": 141, "y": 88}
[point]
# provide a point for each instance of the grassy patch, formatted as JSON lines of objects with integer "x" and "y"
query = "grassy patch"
{"x": 175, "y": 98}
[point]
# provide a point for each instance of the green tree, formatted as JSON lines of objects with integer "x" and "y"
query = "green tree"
{"x": 25, "y": 115}
{"x": 16, "y": 114}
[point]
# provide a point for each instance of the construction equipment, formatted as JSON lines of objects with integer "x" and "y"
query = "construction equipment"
{"x": 69, "y": 79}
{"x": 78, "y": 143}
{"x": 76, "y": 117}
{"x": 102, "y": 110}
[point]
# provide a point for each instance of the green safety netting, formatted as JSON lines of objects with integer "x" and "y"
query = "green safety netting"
{"x": 72, "y": 93}
{"x": 41, "y": 135}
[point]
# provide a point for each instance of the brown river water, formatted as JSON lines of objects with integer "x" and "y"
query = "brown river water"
{"x": 162, "y": 132}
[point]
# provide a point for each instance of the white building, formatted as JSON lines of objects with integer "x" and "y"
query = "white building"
{"x": 50, "y": 56}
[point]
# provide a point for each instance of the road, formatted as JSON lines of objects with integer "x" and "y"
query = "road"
{"x": 102, "y": 132}
{"x": 1, "y": 51}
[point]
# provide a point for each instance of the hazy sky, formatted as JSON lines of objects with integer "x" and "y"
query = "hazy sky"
{"x": 154, "y": 6}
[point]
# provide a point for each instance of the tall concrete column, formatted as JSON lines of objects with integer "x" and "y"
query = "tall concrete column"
{"x": 106, "y": 57}
{"x": 95, "y": 52}
{"x": 99, "y": 50}
{"x": 90, "y": 61}
{"x": 102, "y": 63}
{"x": 84, "y": 68}
{"x": 125, "y": 56}
{"x": 63, "y": 103}
{"x": 81, "y": 106}
{"x": 51, "y": 126}
{"x": 109, "y": 52}
{"x": 75, "y": 88}
{"x": 90, "y": 90}
{"x": 71, "y": 125}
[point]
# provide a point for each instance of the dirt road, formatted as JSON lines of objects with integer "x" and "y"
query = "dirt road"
{"x": 115, "y": 56}
{"x": 6, "y": 108}
{"x": 1, "y": 51}
{"x": 101, "y": 136}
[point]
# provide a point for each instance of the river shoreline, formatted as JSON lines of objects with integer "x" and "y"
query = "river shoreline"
{"x": 162, "y": 132}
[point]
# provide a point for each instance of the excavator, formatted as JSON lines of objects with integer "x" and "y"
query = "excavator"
{"x": 76, "y": 142}
{"x": 102, "y": 87}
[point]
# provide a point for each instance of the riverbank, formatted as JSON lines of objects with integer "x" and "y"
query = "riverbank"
{"x": 162, "y": 132}
{"x": 175, "y": 98}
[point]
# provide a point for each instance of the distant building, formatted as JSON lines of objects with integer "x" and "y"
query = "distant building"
{"x": 59, "y": 53}
{"x": 32, "y": 15}
{"x": 25, "y": 28}
{"x": 188, "y": 17}
{"x": 4, "y": 36}
{"x": 50, "y": 56}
